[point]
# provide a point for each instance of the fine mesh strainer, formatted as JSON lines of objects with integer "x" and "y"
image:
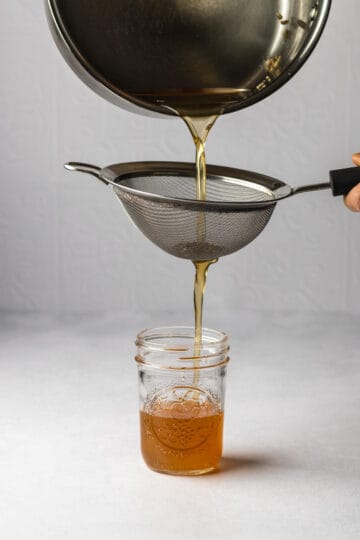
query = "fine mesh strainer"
{"x": 160, "y": 198}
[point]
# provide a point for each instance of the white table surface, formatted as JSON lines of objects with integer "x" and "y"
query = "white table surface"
{"x": 70, "y": 465}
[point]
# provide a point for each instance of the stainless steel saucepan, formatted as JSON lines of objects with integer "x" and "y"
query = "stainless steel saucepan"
{"x": 204, "y": 54}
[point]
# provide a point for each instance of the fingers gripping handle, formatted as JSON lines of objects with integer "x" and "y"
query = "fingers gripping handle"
{"x": 343, "y": 180}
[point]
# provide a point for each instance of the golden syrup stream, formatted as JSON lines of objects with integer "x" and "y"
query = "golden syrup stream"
{"x": 201, "y": 270}
{"x": 199, "y": 128}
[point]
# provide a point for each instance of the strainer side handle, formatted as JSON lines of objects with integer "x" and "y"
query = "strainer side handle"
{"x": 311, "y": 187}
{"x": 86, "y": 168}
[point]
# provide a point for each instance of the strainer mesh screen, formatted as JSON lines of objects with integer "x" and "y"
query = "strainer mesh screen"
{"x": 190, "y": 232}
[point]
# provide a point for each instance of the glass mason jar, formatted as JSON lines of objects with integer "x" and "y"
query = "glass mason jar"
{"x": 181, "y": 399}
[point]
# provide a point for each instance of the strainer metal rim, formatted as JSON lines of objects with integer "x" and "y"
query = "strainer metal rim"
{"x": 115, "y": 174}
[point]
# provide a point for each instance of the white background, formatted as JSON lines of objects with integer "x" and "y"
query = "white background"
{"x": 77, "y": 281}
{"x": 66, "y": 245}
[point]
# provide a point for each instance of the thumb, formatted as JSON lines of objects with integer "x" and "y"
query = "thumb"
{"x": 356, "y": 159}
{"x": 352, "y": 199}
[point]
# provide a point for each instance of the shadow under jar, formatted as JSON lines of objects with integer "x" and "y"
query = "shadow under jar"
{"x": 182, "y": 394}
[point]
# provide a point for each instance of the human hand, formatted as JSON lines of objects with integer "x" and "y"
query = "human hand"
{"x": 352, "y": 199}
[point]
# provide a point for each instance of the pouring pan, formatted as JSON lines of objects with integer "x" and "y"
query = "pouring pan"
{"x": 209, "y": 56}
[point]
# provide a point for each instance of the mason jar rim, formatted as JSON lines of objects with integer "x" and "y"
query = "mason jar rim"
{"x": 152, "y": 341}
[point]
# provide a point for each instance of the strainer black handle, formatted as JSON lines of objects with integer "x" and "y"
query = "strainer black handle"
{"x": 344, "y": 180}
